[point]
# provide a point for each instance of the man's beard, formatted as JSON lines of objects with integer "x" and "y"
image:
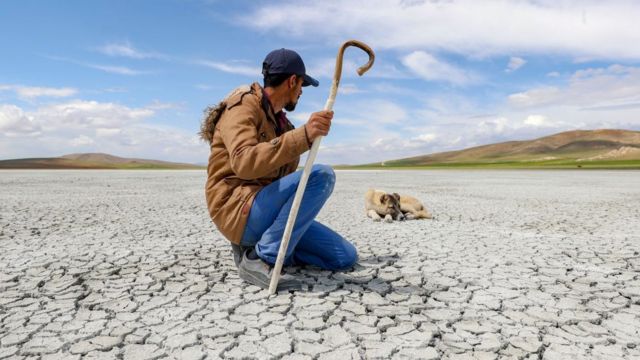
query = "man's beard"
{"x": 290, "y": 106}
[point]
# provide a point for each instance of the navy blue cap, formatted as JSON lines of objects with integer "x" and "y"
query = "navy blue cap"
{"x": 285, "y": 61}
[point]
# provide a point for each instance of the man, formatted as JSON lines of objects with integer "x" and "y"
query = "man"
{"x": 252, "y": 176}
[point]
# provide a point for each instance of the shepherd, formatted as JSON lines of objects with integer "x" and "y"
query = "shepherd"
{"x": 252, "y": 178}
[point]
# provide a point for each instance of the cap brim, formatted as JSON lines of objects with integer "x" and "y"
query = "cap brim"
{"x": 308, "y": 80}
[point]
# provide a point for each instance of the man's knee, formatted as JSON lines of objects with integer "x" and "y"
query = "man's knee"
{"x": 347, "y": 258}
{"x": 323, "y": 174}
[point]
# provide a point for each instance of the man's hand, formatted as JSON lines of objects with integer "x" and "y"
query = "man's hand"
{"x": 319, "y": 124}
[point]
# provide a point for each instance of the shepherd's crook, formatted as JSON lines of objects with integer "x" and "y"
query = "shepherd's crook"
{"x": 275, "y": 277}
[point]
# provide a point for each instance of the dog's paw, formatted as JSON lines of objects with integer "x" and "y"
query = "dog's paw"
{"x": 376, "y": 219}
{"x": 410, "y": 216}
{"x": 388, "y": 218}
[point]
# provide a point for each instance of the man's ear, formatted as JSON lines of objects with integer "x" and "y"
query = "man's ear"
{"x": 292, "y": 81}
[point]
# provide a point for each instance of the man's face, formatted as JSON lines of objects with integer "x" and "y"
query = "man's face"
{"x": 296, "y": 91}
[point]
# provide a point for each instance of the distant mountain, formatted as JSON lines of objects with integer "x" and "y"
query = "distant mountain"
{"x": 92, "y": 161}
{"x": 580, "y": 147}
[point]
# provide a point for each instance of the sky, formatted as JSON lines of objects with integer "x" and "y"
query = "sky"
{"x": 132, "y": 78}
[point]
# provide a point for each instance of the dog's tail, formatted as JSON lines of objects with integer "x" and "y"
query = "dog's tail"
{"x": 423, "y": 214}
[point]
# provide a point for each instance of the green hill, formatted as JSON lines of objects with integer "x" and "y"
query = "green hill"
{"x": 571, "y": 149}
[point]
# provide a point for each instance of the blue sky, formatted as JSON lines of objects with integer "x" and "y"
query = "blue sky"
{"x": 131, "y": 78}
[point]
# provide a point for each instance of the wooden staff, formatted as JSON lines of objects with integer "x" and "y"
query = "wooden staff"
{"x": 275, "y": 277}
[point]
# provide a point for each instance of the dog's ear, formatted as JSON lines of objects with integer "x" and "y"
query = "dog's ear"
{"x": 397, "y": 196}
{"x": 383, "y": 198}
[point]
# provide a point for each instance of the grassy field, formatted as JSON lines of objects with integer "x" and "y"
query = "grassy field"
{"x": 549, "y": 164}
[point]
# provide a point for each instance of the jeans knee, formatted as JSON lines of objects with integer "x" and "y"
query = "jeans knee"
{"x": 323, "y": 174}
{"x": 348, "y": 257}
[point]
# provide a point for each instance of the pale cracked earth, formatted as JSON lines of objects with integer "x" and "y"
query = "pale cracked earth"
{"x": 516, "y": 264}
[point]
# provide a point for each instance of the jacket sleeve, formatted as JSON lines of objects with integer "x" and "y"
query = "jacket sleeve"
{"x": 249, "y": 158}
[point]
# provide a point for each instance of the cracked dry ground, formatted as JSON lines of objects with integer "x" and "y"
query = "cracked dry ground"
{"x": 517, "y": 264}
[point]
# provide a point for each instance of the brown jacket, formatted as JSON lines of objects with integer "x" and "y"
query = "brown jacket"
{"x": 246, "y": 155}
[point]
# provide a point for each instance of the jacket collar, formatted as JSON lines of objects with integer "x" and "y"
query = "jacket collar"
{"x": 268, "y": 109}
{"x": 264, "y": 102}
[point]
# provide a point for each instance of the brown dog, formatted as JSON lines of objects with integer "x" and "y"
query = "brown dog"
{"x": 379, "y": 204}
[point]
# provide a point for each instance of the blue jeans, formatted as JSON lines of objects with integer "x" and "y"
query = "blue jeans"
{"x": 311, "y": 242}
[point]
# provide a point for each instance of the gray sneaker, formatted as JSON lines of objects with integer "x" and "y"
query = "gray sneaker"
{"x": 258, "y": 273}
{"x": 237, "y": 253}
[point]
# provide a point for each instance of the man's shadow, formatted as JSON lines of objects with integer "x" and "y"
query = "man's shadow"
{"x": 364, "y": 276}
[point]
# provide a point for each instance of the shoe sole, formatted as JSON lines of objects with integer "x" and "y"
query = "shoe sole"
{"x": 253, "y": 280}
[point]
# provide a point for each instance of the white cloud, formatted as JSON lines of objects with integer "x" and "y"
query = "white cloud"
{"x": 15, "y": 123}
{"x": 615, "y": 85}
{"x": 79, "y": 125}
{"x": 126, "y": 49}
{"x": 378, "y": 112}
{"x": 298, "y": 117}
{"x": 425, "y": 138}
{"x": 107, "y": 132}
{"x": 80, "y": 114}
{"x": 429, "y": 68}
{"x": 120, "y": 70}
{"x": 595, "y": 29}
{"x": 159, "y": 105}
{"x": 81, "y": 140}
{"x": 494, "y": 126}
{"x": 30, "y": 92}
{"x": 115, "y": 90}
{"x": 348, "y": 89}
{"x": 231, "y": 68}
{"x": 515, "y": 63}
{"x": 384, "y": 147}
{"x": 358, "y": 123}
{"x": 113, "y": 69}
{"x": 538, "y": 121}
{"x": 389, "y": 88}
{"x": 542, "y": 95}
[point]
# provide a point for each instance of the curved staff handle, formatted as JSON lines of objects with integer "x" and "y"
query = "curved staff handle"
{"x": 338, "y": 71}
{"x": 284, "y": 244}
